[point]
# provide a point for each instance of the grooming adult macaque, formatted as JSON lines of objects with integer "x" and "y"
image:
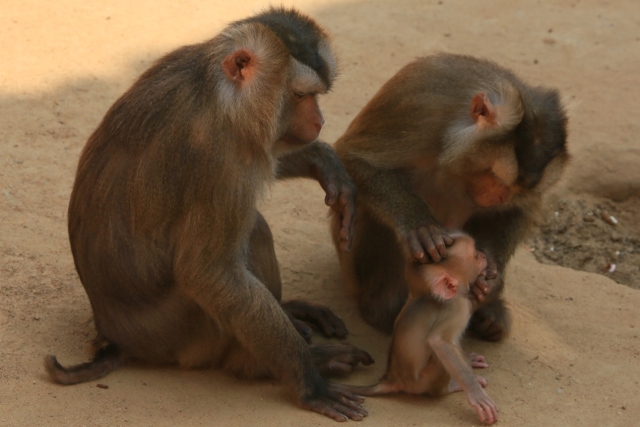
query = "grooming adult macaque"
{"x": 425, "y": 355}
{"x": 178, "y": 264}
{"x": 449, "y": 142}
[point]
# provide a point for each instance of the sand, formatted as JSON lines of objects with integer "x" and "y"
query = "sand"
{"x": 573, "y": 358}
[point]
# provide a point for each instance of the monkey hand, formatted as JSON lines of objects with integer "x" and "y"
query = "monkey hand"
{"x": 484, "y": 284}
{"x": 336, "y": 402}
{"x": 338, "y": 359}
{"x": 428, "y": 243}
{"x": 303, "y": 314}
{"x": 341, "y": 198}
{"x": 482, "y": 403}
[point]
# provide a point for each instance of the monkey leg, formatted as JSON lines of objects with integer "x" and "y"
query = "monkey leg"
{"x": 378, "y": 267}
{"x": 262, "y": 262}
{"x": 261, "y": 259}
{"x": 491, "y": 320}
{"x": 434, "y": 379}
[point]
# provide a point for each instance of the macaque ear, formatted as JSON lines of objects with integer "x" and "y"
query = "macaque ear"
{"x": 445, "y": 286}
{"x": 240, "y": 65}
{"x": 483, "y": 112}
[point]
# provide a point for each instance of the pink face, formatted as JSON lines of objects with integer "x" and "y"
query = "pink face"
{"x": 464, "y": 261}
{"x": 306, "y": 121}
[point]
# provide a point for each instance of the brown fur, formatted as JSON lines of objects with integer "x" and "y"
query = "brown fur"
{"x": 449, "y": 142}
{"x": 178, "y": 264}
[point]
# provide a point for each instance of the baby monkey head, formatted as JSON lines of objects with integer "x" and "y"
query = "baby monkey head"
{"x": 464, "y": 263}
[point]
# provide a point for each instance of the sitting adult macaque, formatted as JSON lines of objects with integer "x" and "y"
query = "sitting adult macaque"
{"x": 178, "y": 264}
{"x": 425, "y": 355}
{"x": 449, "y": 142}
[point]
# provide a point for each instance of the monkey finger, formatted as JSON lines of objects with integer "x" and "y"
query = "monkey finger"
{"x": 328, "y": 323}
{"x": 477, "y": 294}
{"x": 324, "y": 409}
{"x": 303, "y": 329}
{"x": 338, "y": 327}
{"x": 482, "y": 285}
{"x": 353, "y": 414}
{"x": 448, "y": 240}
{"x": 331, "y": 195}
{"x": 415, "y": 248}
{"x": 338, "y": 359}
{"x": 353, "y": 355}
{"x": 492, "y": 270}
{"x": 340, "y": 390}
{"x": 354, "y": 406}
{"x": 337, "y": 367}
{"x": 438, "y": 237}
{"x": 348, "y": 208}
{"x": 429, "y": 245}
{"x": 490, "y": 412}
{"x": 348, "y": 219}
{"x": 480, "y": 411}
{"x": 316, "y": 315}
{"x": 477, "y": 361}
{"x": 482, "y": 381}
{"x": 350, "y": 401}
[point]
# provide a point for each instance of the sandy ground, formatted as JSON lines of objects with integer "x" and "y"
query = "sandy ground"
{"x": 574, "y": 356}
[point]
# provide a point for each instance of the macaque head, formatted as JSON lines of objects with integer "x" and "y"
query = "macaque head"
{"x": 464, "y": 263}
{"x": 309, "y": 71}
{"x": 527, "y": 135}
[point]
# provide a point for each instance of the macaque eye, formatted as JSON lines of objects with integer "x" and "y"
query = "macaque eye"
{"x": 298, "y": 96}
{"x": 475, "y": 255}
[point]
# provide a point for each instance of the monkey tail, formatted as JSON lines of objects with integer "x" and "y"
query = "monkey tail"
{"x": 106, "y": 360}
{"x": 372, "y": 390}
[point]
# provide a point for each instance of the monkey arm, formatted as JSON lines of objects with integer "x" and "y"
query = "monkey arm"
{"x": 247, "y": 311}
{"x": 455, "y": 364}
{"x": 498, "y": 232}
{"x": 318, "y": 160}
{"x": 390, "y": 195}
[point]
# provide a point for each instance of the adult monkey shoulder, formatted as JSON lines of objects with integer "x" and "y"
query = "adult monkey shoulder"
{"x": 178, "y": 264}
{"x": 449, "y": 142}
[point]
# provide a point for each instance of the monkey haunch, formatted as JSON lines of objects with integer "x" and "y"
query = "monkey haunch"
{"x": 178, "y": 264}
{"x": 425, "y": 355}
{"x": 449, "y": 142}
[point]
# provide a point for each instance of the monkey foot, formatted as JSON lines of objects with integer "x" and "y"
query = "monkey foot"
{"x": 477, "y": 361}
{"x": 306, "y": 316}
{"x": 491, "y": 323}
{"x": 338, "y": 359}
{"x": 338, "y": 403}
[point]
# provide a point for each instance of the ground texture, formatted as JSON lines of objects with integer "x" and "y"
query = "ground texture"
{"x": 574, "y": 356}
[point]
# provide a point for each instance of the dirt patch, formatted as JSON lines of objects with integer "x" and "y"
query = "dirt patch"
{"x": 592, "y": 234}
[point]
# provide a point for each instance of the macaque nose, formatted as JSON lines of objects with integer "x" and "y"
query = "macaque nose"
{"x": 319, "y": 123}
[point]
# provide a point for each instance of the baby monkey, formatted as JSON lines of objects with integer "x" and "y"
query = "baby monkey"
{"x": 425, "y": 355}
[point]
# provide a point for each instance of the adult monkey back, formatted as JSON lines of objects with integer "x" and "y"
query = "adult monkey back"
{"x": 449, "y": 142}
{"x": 178, "y": 264}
